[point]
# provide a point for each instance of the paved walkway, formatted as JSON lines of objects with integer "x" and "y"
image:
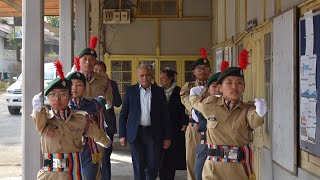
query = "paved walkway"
{"x": 121, "y": 166}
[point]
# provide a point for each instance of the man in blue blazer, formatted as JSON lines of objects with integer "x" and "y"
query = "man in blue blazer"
{"x": 144, "y": 123}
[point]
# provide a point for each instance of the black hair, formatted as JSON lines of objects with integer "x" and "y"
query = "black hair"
{"x": 171, "y": 74}
{"x": 101, "y": 63}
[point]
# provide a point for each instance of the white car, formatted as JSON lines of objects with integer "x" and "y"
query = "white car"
{"x": 14, "y": 91}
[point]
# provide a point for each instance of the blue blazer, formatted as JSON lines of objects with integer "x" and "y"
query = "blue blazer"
{"x": 130, "y": 114}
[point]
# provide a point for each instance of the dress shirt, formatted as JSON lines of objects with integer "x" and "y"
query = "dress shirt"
{"x": 145, "y": 105}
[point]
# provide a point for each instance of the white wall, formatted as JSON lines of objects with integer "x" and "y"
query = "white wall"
{"x": 270, "y": 11}
{"x": 231, "y": 18}
{"x": 140, "y": 37}
{"x": 242, "y": 21}
{"x": 190, "y": 8}
{"x": 195, "y": 35}
{"x": 287, "y": 4}
{"x": 221, "y": 30}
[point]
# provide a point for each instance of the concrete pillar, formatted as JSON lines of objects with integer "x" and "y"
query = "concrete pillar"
{"x": 81, "y": 24}
{"x": 32, "y": 72}
{"x": 66, "y": 34}
{"x": 94, "y": 21}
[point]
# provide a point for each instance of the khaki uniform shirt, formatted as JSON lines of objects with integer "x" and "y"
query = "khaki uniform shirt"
{"x": 58, "y": 136}
{"x": 99, "y": 86}
{"x": 227, "y": 128}
{"x": 185, "y": 92}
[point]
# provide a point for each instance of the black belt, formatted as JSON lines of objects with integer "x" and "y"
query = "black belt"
{"x": 144, "y": 127}
{"x": 221, "y": 153}
{"x": 203, "y": 137}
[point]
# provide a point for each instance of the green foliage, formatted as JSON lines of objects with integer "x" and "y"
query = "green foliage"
{"x": 3, "y": 86}
{"x": 3, "y": 21}
{"x": 52, "y": 54}
{"x": 53, "y": 21}
{"x": 12, "y": 40}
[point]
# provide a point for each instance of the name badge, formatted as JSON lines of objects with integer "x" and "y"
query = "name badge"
{"x": 212, "y": 119}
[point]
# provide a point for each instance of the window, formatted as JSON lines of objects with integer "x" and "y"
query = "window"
{"x": 157, "y": 8}
{"x": 188, "y": 74}
{"x": 239, "y": 48}
{"x": 121, "y": 72}
{"x": 268, "y": 79}
{"x": 172, "y": 65}
{"x": 6, "y": 44}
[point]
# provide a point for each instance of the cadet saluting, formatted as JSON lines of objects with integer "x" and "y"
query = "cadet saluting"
{"x": 61, "y": 131}
{"x": 201, "y": 70}
{"x": 229, "y": 125}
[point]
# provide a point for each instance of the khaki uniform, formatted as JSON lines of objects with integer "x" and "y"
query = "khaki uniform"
{"x": 58, "y": 136}
{"x": 99, "y": 86}
{"x": 226, "y": 128}
{"x": 192, "y": 135}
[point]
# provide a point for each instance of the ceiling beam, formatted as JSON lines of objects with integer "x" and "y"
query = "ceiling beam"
{"x": 13, "y": 4}
{"x": 17, "y": 7}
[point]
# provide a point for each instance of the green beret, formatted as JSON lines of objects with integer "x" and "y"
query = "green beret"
{"x": 57, "y": 83}
{"x": 77, "y": 75}
{"x": 200, "y": 61}
{"x": 87, "y": 51}
{"x": 231, "y": 71}
{"x": 213, "y": 78}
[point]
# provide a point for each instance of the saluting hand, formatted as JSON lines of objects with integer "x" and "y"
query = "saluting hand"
{"x": 261, "y": 107}
{"x": 197, "y": 91}
{"x": 166, "y": 144}
{"x": 37, "y": 102}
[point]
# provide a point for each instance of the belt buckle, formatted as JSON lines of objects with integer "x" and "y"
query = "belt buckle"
{"x": 230, "y": 153}
{"x": 59, "y": 163}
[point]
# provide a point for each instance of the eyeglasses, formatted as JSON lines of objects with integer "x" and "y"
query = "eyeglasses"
{"x": 60, "y": 95}
{"x": 202, "y": 68}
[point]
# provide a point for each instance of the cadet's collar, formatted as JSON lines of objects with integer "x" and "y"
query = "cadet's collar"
{"x": 76, "y": 101}
{"x": 89, "y": 77}
{"x": 231, "y": 105}
{"x": 202, "y": 83}
{"x": 240, "y": 104}
{"x": 63, "y": 114}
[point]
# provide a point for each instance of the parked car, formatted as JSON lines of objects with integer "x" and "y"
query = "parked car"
{"x": 14, "y": 91}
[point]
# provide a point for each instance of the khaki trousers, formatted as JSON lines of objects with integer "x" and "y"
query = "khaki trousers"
{"x": 223, "y": 171}
{"x": 192, "y": 140}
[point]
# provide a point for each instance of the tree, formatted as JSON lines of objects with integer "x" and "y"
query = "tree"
{"x": 53, "y": 21}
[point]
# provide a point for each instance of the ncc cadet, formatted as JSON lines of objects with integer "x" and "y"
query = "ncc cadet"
{"x": 230, "y": 123}
{"x": 61, "y": 131}
{"x": 101, "y": 67}
{"x": 97, "y": 84}
{"x": 202, "y": 127}
{"x": 90, "y": 156}
{"x": 201, "y": 70}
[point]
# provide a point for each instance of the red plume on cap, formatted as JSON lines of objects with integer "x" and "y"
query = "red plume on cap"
{"x": 224, "y": 65}
{"x": 59, "y": 70}
{"x": 93, "y": 42}
{"x": 243, "y": 59}
{"x": 203, "y": 53}
{"x": 77, "y": 63}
